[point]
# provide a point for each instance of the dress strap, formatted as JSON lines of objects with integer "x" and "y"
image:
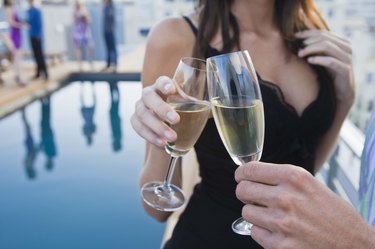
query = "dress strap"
{"x": 193, "y": 28}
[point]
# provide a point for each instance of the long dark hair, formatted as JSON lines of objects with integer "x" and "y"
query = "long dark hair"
{"x": 291, "y": 15}
{"x": 6, "y": 3}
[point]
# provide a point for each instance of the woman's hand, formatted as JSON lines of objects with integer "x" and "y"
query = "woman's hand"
{"x": 25, "y": 25}
{"x": 326, "y": 49}
{"x": 151, "y": 113}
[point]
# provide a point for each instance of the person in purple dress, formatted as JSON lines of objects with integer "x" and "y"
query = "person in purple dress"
{"x": 82, "y": 36}
{"x": 87, "y": 111}
{"x": 15, "y": 26}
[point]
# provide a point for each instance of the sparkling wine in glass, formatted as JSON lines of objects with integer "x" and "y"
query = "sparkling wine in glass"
{"x": 237, "y": 108}
{"x": 191, "y": 103}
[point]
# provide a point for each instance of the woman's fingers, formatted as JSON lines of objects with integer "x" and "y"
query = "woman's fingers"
{"x": 150, "y": 127}
{"x": 329, "y": 62}
{"x": 164, "y": 85}
{"x": 320, "y": 42}
{"x": 153, "y": 99}
{"x": 325, "y": 48}
{"x": 154, "y": 102}
{"x": 152, "y": 113}
{"x": 313, "y": 36}
{"x": 146, "y": 133}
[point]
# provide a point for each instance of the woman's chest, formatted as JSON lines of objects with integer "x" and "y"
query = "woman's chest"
{"x": 275, "y": 63}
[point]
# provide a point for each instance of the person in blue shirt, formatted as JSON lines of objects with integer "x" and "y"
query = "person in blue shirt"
{"x": 34, "y": 18}
{"x": 109, "y": 34}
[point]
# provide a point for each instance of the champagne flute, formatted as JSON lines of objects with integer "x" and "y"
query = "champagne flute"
{"x": 191, "y": 103}
{"x": 237, "y": 108}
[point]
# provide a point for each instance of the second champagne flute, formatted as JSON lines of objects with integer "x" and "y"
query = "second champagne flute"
{"x": 237, "y": 108}
{"x": 191, "y": 103}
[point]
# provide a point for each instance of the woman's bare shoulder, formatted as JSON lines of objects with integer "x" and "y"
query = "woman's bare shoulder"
{"x": 168, "y": 41}
{"x": 171, "y": 33}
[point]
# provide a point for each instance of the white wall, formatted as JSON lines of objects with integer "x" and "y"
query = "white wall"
{"x": 56, "y": 20}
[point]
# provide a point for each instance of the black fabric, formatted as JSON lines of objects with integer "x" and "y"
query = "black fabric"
{"x": 289, "y": 138}
{"x": 205, "y": 224}
{"x": 193, "y": 28}
{"x": 36, "y": 45}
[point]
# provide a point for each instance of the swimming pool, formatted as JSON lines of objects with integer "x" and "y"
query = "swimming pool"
{"x": 69, "y": 168}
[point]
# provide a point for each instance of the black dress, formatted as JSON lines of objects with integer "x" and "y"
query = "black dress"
{"x": 289, "y": 138}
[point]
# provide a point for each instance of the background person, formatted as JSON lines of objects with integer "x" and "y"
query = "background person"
{"x": 15, "y": 34}
{"x": 35, "y": 22}
{"x": 82, "y": 36}
{"x": 303, "y": 113}
{"x": 109, "y": 21}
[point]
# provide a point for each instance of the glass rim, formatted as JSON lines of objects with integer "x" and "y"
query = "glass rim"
{"x": 230, "y": 53}
{"x": 183, "y": 59}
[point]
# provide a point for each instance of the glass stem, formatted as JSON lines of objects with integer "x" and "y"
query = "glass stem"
{"x": 168, "y": 177}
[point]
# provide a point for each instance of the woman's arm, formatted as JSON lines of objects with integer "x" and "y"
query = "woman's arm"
{"x": 325, "y": 49}
{"x": 10, "y": 18}
{"x": 167, "y": 43}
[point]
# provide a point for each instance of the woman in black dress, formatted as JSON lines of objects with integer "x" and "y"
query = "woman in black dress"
{"x": 307, "y": 84}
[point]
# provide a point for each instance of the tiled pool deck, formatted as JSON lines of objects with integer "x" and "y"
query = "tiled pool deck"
{"x": 13, "y": 96}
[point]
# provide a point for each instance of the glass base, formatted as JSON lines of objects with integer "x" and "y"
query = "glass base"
{"x": 163, "y": 198}
{"x": 242, "y": 227}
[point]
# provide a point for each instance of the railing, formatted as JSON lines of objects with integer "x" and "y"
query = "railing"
{"x": 341, "y": 174}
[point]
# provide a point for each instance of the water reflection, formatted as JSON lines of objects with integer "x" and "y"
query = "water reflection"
{"x": 47, "y": 144}
{"x": 115, "y": 117}
{"x": 87, "y": 112}
{"x": 31, "y": 149}
{"x": 86, "y": 184}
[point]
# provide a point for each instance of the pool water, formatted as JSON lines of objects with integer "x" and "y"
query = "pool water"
{"x": 69, "y": 168}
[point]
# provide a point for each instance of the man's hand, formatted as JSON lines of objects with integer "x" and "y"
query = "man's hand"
{"x": 291, "y": 209}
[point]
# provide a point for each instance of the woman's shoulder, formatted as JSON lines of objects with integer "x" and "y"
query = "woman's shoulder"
{"x": 171, "y": 33}
{"x": 168, "y": 41}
